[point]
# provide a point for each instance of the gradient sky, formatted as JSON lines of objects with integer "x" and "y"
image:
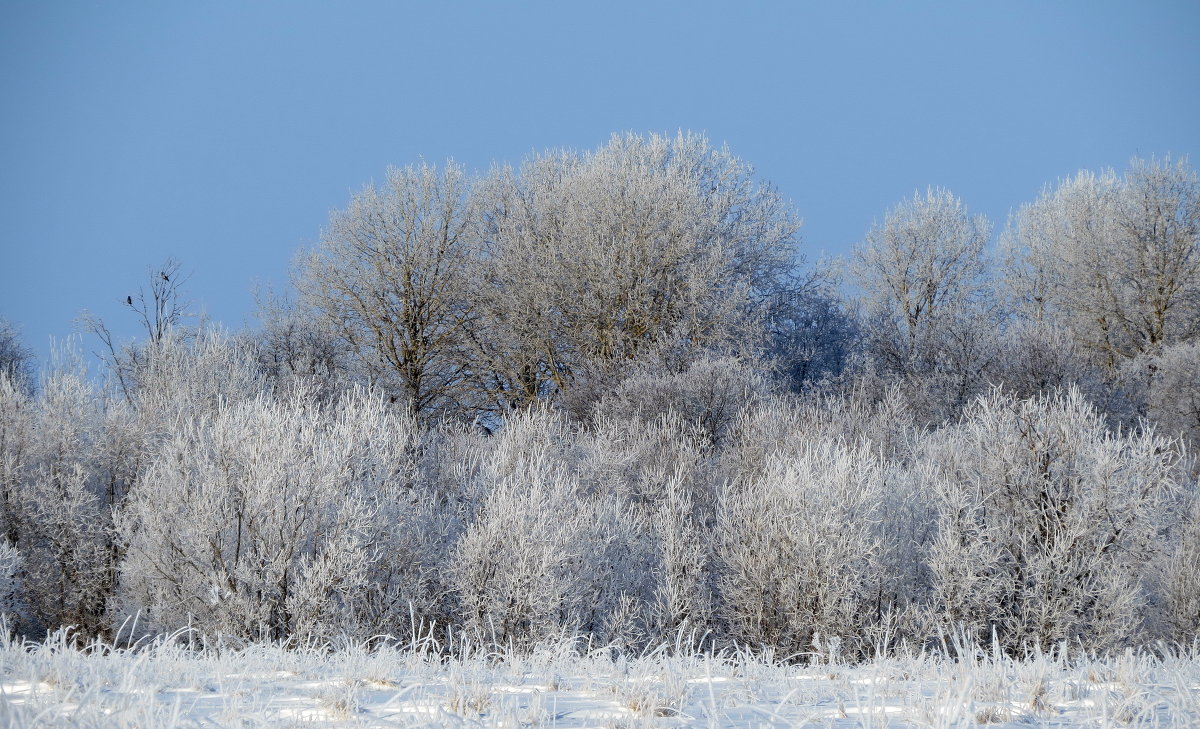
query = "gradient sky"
{"x": 223, "y": 133}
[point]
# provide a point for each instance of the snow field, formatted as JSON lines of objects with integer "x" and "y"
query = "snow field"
{"x": 167, "y": 685}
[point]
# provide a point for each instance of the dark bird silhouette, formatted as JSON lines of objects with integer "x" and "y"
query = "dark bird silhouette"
{"x": 129, "y": 301}
{"x": 164, "y": 275}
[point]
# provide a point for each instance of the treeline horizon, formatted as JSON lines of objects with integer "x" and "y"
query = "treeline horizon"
{"x": 603, "y": 394}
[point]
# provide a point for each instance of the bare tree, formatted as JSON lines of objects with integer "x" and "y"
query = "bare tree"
{"x": 923, "y": 266}
{"x": 160, "y": 310}
{"x": 928, "y": 319}
{"x": 163, "y": 307}
{"x": 389, "y": 276}
{"x": 16, "y": 359}
{"x": 1114, "y": 260}
{"x": 593, "y": 259}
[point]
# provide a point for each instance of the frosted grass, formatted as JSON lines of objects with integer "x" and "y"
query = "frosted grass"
{"x": 169, "y": 684}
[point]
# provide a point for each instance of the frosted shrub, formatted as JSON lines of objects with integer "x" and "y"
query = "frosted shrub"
{"x": 1180, "y": 578}
{"x": 1165, "y": 388}
{"x": 684, "y": 588}
{"x": 786, "y": 429}
{"x": 545, "y": 559}
{"x": 64, "y": 519}
{"x": 905, "y": 530}
{"x": 1046, "y": 522}
{"x": 16, "y": 441}
{"x": 10, "y": 579}
{"x": 180, "y": 374}
{"x": 710, "y": 394}
{"x": 665, "y": 471}
{"x": 416, "y": 521}
{"x": 882, "y": 424}
{"x": 636, "y": 459}
{"x": 797, "y": 547}
{"x": 58, "y": 491}
{"x": 261, "y": 519}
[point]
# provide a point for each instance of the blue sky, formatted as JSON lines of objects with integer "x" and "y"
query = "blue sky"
{"x": 223, "y": 133}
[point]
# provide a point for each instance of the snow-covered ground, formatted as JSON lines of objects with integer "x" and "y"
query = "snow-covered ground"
{"x": 165, "y": 685}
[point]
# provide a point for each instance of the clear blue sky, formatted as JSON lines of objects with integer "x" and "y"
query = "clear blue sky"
{"x": 223, "y": 133}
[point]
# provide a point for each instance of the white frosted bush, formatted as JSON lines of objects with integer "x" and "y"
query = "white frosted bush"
{"x": 882, "y": 425}
{"x": 16, "y": 442}
{"x": 10, "y": 579}
{"x": 665, "y": 471}
{"x": 636, "y": 459}
{"x": 545, "y": 558}
{"x": 684, "y": 592}
{"x": 710, "y": 394}
{"x": 1165, "y": 388}
{"x": 1047, "y": 522}
{"x": 64, "y": 518}
{"x": 797, "y": 547}
{"x": 267, "y": 519}
{"x": 1180, "y": 575}
{"x": 182, "y": 375}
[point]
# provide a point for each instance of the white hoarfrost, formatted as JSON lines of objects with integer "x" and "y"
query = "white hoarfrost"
{"x": 167, "y": 686}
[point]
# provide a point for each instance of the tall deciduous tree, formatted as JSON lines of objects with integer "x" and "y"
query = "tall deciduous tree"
{"x": 923, "y": 273}
{"x": 161, "y": 311}
{"x": 390, "y": 275}
{"x": 924, "y": 264}
{"x": 593, "y": 259}
{"x": 1115, "y": 260}
{"x": 16, "y": 359}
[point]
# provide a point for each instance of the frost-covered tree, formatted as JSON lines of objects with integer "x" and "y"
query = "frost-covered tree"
{"x": 16, "y": 359}
{"x": 923, "y": 265}
{"x": 1113, "y": 259}
{"x": 593, "y": 259}
{"x": 390, "y": 276}
{"x": 296, "y": 346}
{"x": 927, "y": 315}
